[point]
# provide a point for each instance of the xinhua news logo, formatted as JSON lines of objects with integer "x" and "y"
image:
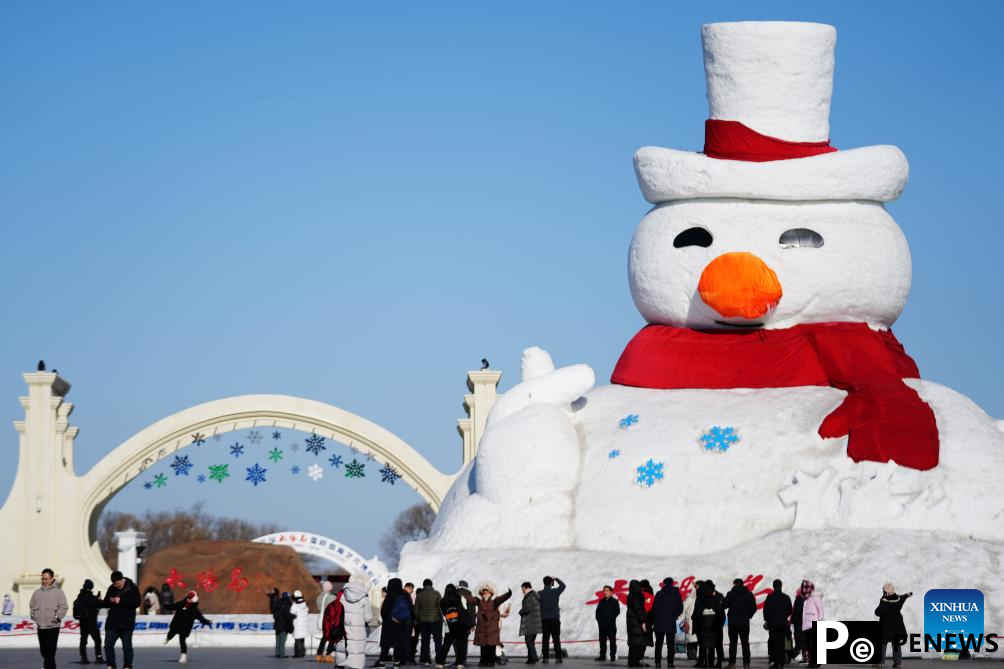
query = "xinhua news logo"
{"x": 953, "y": 617}
{"x": 847, "y": 641}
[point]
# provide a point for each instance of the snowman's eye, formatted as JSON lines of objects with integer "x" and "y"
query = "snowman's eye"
{"x": 693, "y": 237}
{"x": 800, "y": 237}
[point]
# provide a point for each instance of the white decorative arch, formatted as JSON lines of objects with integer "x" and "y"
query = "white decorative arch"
{"x": 308, "y": 543}
{"x": 85, "y": 496}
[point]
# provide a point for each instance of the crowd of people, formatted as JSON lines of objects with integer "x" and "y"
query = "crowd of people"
{"x": 412, "y": 622}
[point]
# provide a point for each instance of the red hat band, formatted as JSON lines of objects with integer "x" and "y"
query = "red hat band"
{"x": 731, "y": 140}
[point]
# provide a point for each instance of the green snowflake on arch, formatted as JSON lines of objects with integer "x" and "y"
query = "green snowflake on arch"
{"x": 275, "y": 455}
{"x": 160, "y": 480}
{"x": 355, "y": 470}
{"x": 219, "y": 472}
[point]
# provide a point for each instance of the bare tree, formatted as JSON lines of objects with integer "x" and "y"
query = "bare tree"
{"x": 165, "y": 528}
{"x": 412, "y": 524}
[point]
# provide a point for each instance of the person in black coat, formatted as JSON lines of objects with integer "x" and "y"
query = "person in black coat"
{"x": 282, "y": 618}
{"x": 741, "y": 605}
{"x": 637, "y": 634}
{"x": 85, "y": 610}
{"x": 800, "y": 645}
{"x": 121, "y": 600}
{"x": 697, "y": 627}
{"x": 776, "y": 611}
{"x": 890, "y": 615}
{"x": 186, "y": 612}
{"x": 166, "y": 596}
{"x": 666, "y": 608}
{"x": 607, "y": 611}
{"x": 395, "y": 632}
{"x": 711, "y": 606}
{"x": 550, "y": 617}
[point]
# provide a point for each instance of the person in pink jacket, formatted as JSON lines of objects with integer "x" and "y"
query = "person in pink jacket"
{"x": 812, "y": 610}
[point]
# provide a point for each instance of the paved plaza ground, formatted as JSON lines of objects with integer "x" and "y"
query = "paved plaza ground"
{"x": 259, "y": 657}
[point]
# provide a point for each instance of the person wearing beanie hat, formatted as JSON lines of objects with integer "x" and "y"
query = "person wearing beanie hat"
{"x": 121, "y": 599}
{"x": 85, "y": 611}
{"x": 186, "y": 612}
{"x": 323, "y": 599}
{"x": 300, "y": 624}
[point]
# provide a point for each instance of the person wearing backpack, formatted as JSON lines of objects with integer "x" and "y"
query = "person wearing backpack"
{"x": 457, "y": 604}
{"x": 186, "y": 612}
{"x": 323, "y": 599}
{"x": 332, "y": 621}
{"x": 396, "y": 614}
{"x": 85, "y": 611}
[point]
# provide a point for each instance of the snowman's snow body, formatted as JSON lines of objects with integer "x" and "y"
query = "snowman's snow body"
{"x": 557, "y": 470}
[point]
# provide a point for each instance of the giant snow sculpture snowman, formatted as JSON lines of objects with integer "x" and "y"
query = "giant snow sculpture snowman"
{"x": 767, "y": 392}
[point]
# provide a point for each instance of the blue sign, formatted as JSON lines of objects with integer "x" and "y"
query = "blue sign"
{"x": 955, "y": 615}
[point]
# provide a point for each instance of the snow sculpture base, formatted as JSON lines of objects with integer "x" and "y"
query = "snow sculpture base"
{"x": 849, "y": 568}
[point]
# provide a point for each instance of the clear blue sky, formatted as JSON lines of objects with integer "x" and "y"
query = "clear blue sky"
{"x": 208, "y": 199}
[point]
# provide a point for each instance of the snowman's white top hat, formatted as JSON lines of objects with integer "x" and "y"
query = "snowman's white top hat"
{"x": 769, "y": 88}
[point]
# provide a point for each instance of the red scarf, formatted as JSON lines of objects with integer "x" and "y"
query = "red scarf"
{"x": 884, "y": 418}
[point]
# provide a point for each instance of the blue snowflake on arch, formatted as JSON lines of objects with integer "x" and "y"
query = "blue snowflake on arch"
{"x": 277, "y": 435}
{"x": 719, "y": 439}
{"x": 198, "y": 439}
{"x": 181, "y": 465}
{"x": 335, "y": 461}
{"x": 254, "y": 436}
{"x": 315, "y": 444}
{"x": 148, "y": 485}
{"x": 295, "y": 469}
{"x": 389, "y": 475}
{"x": 201, "y": 478}
{"x": 237, "y": 450}
{"x": 256, "y": 474}
{"x": 649, "y": 473}
{"x": 627, "y": 421}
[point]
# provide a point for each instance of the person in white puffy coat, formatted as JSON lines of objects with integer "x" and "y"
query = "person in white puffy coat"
{"x": 301, "y": 624}
{"x": 350, "y": 652}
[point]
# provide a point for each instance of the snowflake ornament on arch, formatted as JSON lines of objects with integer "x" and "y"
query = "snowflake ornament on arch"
{"x": 355, "y": 470}
{"x": 256, "y": 474}
{"x": 217, "y": 437}
{"x": 295, "y": 469}
{"x": 277, "y": 435}
{"x": 389, "y": 475}
{"x": 198, "y": 439}
{"x": 275, "y": 455}
{"x": 181, "y": 465}
{"x": 335, "y": 461}
{"x": 237, "y": 450}
{"x": 315, "y": 472}
{"x": 315, "y": 444}
{"x": 649, "y": 473}
{"x": 160, "y": 480}
{"x": 719, "y": 439}
{"x": 148, "y": 485}
{"x": 201, "y": 478}
{"x": 254, "y": 436}
{"x": 219, "y": 472}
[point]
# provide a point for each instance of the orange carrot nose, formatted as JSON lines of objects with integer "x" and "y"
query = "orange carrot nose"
{"x": 739, "y": 285}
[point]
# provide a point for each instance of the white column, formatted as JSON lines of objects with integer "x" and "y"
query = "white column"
{"x": 128, "y": 542}
{"x": 483, "y": 385}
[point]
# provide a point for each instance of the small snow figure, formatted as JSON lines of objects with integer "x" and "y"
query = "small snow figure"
{"x": 275, "y": 455}
{"x": 201, "y": 478}
{"x": 219, "y": 472}
{"x": 160, "y": 480}
{"x": 628, "y": 420}
{"x": 181, "y": 465}
{"x": 315, "y": 444}
{"x": 315, "y": 472}
{"x": 389, "y": 475}
{"x": 148, "y": 485}
{"x": 277, "y": 435}
{"x": 335, "y": 461}
{"x": 237, "y": 450}
{"x": 355, "y": 470}
{"x": 256, "y": 474}
{"x": 198, "y": 439}
{"x": 254, "y": 436}
{"x": 295, "y": 469}
{"x": 649, "y": 473}
{"x": 614, "y": 453}
{"x": 719, "y": 438}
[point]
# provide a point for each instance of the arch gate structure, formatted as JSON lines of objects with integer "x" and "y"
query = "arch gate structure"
{"x": 50, "y": 517}
{"x": 308, "y": 543}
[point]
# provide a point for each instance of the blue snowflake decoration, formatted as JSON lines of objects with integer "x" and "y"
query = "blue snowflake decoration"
{"x": 389, "y": 475}
{"x": 201, "y": 478}
{"x": 627, "y": 421}
{"x": 256, "y": 474}
{"x": 277, "y": 435}
{"x": 198, "y": 439}
{"x": 649, "y": 473}
{"x": 295, "y": 469}
{"x": 254, "y": 436}
{"x": 148, "y": 485}
{"x": 315, "y": 444}
{"x": 237, "y": 450}
{"x": 294, "y": 447}
{"x": 719, "y": 438}
{"x": 181, "y": 465}
{"x": 335, "y": 461}
{"x": 217, "y": 437}
{"x": 614, "y": 453}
